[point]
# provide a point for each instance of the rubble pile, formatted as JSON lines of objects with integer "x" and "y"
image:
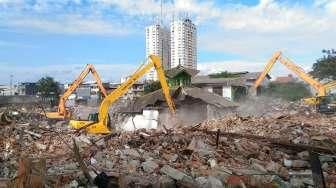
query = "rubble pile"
{"x": 266, "y": 106}
{"x": 272, "y": 151}
{"x": 299, "y": 129}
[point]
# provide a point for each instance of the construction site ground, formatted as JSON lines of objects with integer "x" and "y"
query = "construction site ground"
{"x": 272, "y": 148}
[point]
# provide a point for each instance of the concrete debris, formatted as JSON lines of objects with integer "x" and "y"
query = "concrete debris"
{"x": 198, "y": 145}
{"x": 149, "y": 166}
{"x": 213, "y": 183}
{"x": 234, "y": 151}
{"x": 173, "y": 173}
{"x": 304, "y": 155}
{"x": 296, "y": 163}
{"x": 6, "y": 118}
{"x": 40, "y": 146}
{"x": 165, "y": 182}
{"x": 202, "y": 181}
{"x": 73, "y": 184}
{"x": 131, "y": 153}
{"x": 212, "y": 163}
{"x": 132, "y": 166}
{"x": 173, "y": 158}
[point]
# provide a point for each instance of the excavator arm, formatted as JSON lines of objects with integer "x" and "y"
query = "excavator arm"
{"x": 62, "y": 110}
{"x": 296, "y": 69}
{"x": 101, "y": 125}
{"x": 304, "y": 76}
{"x": 267, "y": 69}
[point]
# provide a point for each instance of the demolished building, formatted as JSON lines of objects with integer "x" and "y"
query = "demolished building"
{"x": 193, "y": 104}
{"x": 273, "y": 151}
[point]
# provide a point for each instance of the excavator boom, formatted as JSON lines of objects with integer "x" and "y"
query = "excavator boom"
{"x": 62, "y": 110}
{"x": 101, "y": 125}
{"x": 304, "y": 76}
{"x": 296, "y": 69}
{"x": 268, "y": 68}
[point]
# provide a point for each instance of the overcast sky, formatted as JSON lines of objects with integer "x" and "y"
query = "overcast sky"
{"x": 58, "y": 37}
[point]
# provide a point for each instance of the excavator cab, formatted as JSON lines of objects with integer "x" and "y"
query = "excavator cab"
{"x": 327, "y": 104}
{"x": 92, "y": 119}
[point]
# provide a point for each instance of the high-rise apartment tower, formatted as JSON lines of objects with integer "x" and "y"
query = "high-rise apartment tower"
{"x": 158, "y": 43}
{"x": 183, "y": 36}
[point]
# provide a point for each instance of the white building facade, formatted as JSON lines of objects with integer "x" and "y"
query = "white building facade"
{"x": 183, "y": 36}
{"x": 158, "y": 43}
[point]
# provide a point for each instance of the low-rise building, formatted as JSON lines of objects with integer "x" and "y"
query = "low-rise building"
{"x": 27, "y": 88}
{"x": 136, "y": 90}
{"x": 232, "y": 88}
{"x": 285, "y": 79}
{"x": 180, "y": 76}
{"x": 6, "y": 90}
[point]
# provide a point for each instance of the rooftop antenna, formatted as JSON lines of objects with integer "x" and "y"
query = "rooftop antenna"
{"x": 161, "y": 13}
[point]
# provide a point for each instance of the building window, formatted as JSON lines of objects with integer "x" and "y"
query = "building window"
{"x": 218, "y": 90}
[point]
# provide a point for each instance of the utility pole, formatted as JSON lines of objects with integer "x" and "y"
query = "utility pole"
{"x": 11, "y": 84}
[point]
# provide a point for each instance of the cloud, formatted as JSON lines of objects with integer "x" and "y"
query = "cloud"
{"x": 7, "y": 44}
{"x": 255, "y": 31}
{"x": 72, "y": 24}
{"x": 66, "y": 17}
{"x": 65, "y": 73}
{"x": 231, "y": 66}
{"x": 251, "y": 32}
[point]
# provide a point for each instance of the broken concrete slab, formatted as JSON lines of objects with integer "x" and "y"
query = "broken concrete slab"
{"x": 213, "y": 182}
{"x": 131, "y": 153}
{"x": 149, "y": 166}
{"x": 40, "y": 146}
{"x": 165, "y": 182}
{"x": 173, "y": 173}
{"x": 198, "y": 145}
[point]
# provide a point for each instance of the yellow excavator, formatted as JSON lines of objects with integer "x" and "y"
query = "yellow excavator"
{"x": 322, "y": 89}
{"x": 99, "y": 123}
{"x": 62, "y": 110}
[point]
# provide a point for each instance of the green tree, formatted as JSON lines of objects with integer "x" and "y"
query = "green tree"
{"x": 224, "y": 74}
{"x": 152, "y": 86}
{"x": 289, "y": 91}
{"x": 325, "y": 67}
{"x": 47, "y": 86}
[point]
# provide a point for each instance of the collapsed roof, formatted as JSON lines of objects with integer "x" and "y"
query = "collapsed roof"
{"x": 180, "y": 94}
{"x": 177, "y": 70}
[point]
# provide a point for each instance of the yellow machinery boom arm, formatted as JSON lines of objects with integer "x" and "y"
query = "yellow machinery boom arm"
{"x": 267, "y": 69}
{"x": 62, "y": 111}
{"x": 101, "y": 125}
{"x": 296, "y": 69}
